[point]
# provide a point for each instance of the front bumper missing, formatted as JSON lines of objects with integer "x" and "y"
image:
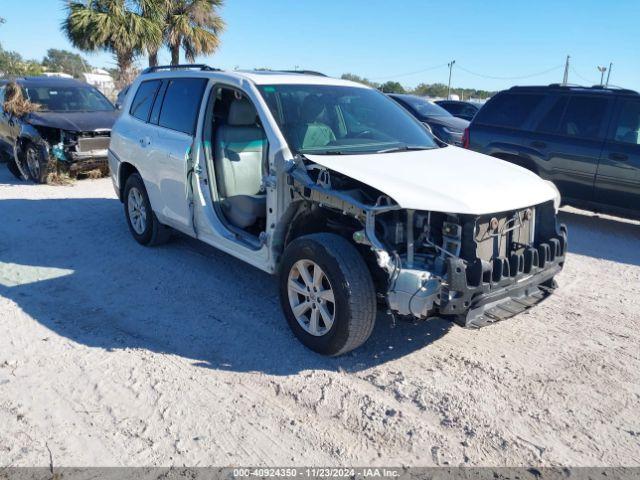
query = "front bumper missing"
{"x": 515, "y": 285}
{"x": 510, "y": 301}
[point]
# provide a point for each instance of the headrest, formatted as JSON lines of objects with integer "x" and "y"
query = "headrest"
{"x": 241, "y": 113}
{"x": 312, "y": 107}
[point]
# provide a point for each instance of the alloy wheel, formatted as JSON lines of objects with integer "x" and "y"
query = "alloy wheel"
{"x": 33, "y": 163}
{"x": 311, "y": 297}
{"x": 137, "y": 210}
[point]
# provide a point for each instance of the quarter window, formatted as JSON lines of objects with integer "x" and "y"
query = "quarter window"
{"x": 142, "y": 102}
{"x": 627, "y": 126}
{"x": 181, "y": 104}
{"x": 584, "y": 116}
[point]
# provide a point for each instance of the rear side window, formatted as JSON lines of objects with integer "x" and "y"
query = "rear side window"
{"x": 181, "y": 104}
{"x": 453, "y": 108}
{"x": 142, "y": 102}
{"x": 509, "y": 110}
{"x": 584, "y": 116}
{"x": 551, "y": 120}
{"x": 627, "y": 125}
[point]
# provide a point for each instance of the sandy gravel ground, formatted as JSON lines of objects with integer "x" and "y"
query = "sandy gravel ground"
{"x": 113, "y": 354}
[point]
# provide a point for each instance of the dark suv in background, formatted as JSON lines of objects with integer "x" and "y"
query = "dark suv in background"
{"x": 460, "y": 109}
{"x": 585, "y": 140}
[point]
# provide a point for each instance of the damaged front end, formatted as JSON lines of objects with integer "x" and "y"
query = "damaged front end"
{"x": 474, "y": 269}
{"x": 78, "y": 152}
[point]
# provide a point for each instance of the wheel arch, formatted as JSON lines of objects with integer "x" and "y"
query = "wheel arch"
{"x": 311, "y": 218}
{"x": 520, "y": 160}
{"x": 125, "y": 170}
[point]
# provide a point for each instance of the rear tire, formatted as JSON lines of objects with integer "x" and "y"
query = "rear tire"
{"x": 324, "y": 278}
{"x": 143, "y": 223}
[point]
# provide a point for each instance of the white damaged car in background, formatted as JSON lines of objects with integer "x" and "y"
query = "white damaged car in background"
{"x": 341, "y": 192}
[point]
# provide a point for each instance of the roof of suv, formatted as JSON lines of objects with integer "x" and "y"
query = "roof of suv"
{"x": 258, "y": 77}
{"x": 576, "y": 89}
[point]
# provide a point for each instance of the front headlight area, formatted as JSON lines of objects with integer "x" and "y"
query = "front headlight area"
{"x": 417, "y": 245}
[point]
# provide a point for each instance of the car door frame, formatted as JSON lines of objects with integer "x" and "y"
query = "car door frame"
{"x": 209, "y": 226}
{"x": 611, "y": 170}
{"x": 173, "y": 206}
{"x": 575, "y": 184}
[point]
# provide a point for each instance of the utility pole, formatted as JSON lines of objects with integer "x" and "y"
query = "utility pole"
{"x": 450, "y": 65}
{"x": 609, "y": 74}
{"x": 565, "y": 78}
{"x": 601, "y": 70}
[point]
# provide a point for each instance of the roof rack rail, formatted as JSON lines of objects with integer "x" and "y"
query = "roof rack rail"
{"x": 615, "y": 88}
{"x": 610, "y": 88}
{"x": 304, "y": 72}
{"x": 186, "y": 66}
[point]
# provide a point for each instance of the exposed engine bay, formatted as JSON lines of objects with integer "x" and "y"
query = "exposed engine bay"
{"x": 77, "y": 151}
{"x": 475, "y": 268}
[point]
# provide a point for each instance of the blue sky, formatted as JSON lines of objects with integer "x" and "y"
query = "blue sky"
{"x": 385, "y": 40}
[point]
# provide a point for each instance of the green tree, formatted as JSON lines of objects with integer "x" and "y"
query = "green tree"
{"x": 115, "y": 26}
{"x": 191, "y": 25}
{"x": 65, "y": 61}
{"x": 356, "y": 78}
{"x": 392, "y": 87}
{"x": 12, "y": 63}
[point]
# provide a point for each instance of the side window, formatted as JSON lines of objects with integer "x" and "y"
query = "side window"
{"x": 509, "y": 110}
{"x": 142, "y": 102}
{"x": 181, "y": 104}
{"x": 627, "y": 124}
{"x": 584, "y": 116}
{"x": 550, "y": 121}
{"x": 454, "y": 108}
{"x": 1, "y": 96}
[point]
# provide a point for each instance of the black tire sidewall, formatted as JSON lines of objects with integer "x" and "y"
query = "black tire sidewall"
{"x": 15, "y": 170}
{"x": 135, "y": 180}
{"x": 43, "y": 162}
{"x": 334, "y": 340}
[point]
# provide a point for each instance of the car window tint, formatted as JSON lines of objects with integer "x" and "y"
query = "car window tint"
{"x": 551, "y": 120}
{"x": 181, "y": 104}
{"x": 627, "y": 123}
{"x": 142, "y": 102}
{"x": 509, "y": 109}
{"x": 453, "y": 108}
{"x": 584, "y": 116}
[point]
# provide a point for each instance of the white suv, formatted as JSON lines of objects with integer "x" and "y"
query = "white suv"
{"x": 341, "y": 192}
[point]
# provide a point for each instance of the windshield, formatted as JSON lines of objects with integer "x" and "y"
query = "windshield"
{"x": 333, "y": 120}
{"x": 425, "y": 107}
{"x": 69, "y": 99}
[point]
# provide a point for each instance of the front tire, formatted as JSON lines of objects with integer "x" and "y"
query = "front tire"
{"x": 37, "y": 163}
{"x": 327, "y": 293}
{"x": 143, "y": 223}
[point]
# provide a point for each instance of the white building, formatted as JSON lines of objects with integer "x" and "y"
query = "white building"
{"x": 101, "y": 79}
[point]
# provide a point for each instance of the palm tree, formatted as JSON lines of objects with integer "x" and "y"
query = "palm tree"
{"x": 116, "y": 26}
{"x": 193, "y": 25}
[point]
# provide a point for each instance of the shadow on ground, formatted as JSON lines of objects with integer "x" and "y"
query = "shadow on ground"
{"x": 604, "y": 238}
{"x": 72, "y": 265}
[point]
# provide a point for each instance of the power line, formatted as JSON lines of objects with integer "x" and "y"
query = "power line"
{"x": 575, "y": 72}
{"x": 408, "y": 74}
{"x": 557, "y": 67}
